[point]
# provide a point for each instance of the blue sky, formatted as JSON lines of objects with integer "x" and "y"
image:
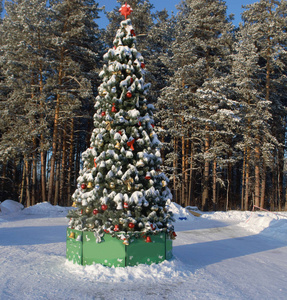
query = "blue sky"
{"x": 234, "y": 6}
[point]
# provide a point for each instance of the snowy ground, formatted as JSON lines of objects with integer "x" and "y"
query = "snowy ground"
{"x": 221, "y": 255}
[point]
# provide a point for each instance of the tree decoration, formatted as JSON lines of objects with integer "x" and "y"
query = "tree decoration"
{"x": 148, "y": 239}
{"x": 72, "y": 235}
{"x": 126, "y": 242}
{"x": 104, "y": 207}
{"x": 148, "y": 176}
{"x": 133, "y": 33}
{"x": 117, "y": 194}
{"x": 125, "y": 10}
{"x": 131, "y": 225}
{"x": 90, "y": 185}
{"x": 112, "y": 185}
{"x": 88, "y": 210}
{"x": 131, "y": 144}
{"x": 118, "y": 145}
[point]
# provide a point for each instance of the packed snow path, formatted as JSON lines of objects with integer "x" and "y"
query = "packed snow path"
{"x": 217, "y": 256}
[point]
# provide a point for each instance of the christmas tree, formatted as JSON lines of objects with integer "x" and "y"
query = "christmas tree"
{"x": 121, "y": 189}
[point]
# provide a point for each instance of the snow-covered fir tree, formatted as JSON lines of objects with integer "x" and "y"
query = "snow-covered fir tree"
{"x": 75, "y": 50}
{"x": 24, "y": 36}
{"x": 260, "y": 76}
{"x": 121, "y": 189}
{"x": 192, "y": 100}
{"x": 49, "y": 55}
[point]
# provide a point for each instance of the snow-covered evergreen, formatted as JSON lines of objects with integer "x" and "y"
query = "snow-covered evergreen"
{"x": 121, "y": 188}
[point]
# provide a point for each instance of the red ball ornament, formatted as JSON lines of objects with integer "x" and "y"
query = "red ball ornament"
{"x": 104, "y": 207}
{"x": 152, "y": 125}
{"x": 95, "y": 162}
{"x": 116, "y": 228}
{"x": 142, "y": 65}
{"x": 120, "y": 132}
{"x": 148, "y": 177}
{"x": 152, "y": 226}
{"x": 140, "y": 123}
{"x": 133, "y": 33}
{"x": 129, "y": 94}
{"x": 95, "y": 212}
{"x": 103, "y": 113}
{"x": 83, "y": 186}
{"x": 81, "y": 211}
{"x": 148, "y": 239}
{"x": 132, "y": 80}
{"x": 126, "y": 205}
{"x": 174, "y": 234}
{"x": 113, "y": 108}
{"x": 131, "y": 225}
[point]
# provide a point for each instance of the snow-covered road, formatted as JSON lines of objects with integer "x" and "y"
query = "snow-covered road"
{"x": 217, "y": 256}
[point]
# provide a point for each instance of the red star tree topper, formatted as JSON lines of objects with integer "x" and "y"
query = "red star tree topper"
{"x": 126, "y": 10}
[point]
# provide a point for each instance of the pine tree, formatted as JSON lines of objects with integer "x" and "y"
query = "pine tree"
{"x": 24, "y": 38}
{"x": 200, "y": 51}
{"x": 74, "y": 50}
{"x": 121, "y": 188}
{"x": 264, "y": 34}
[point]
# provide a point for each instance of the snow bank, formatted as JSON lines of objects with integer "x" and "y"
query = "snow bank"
{"x": 179, "y": 213}
{"x": 233, "y": 216}
{"x": 10, "y": 206}
{"x": 273, "y": 225}
{"x": 46, "y": 209}
{"x": 141, "y": 273}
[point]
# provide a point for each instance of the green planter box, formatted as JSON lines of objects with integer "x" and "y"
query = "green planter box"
{"x": 83, "y": 249}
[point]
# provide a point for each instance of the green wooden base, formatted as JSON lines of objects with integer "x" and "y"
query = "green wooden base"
{"x": 83, "y": 249}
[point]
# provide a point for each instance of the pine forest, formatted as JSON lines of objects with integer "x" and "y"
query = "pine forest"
{"x": 219, "y": 94}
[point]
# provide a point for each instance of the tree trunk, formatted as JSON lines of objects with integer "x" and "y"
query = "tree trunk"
{"x": 23, "y": 183}
{"x": 54, "y": 151}
{"x": 243, "y": 181}
{"x": 214, "y": 177}
{"x": 71, "y": 161}
{"x": 55, "y": 131}
{"x": 34, "y": 173}
{"x": 247, "y": 170}
{"x": 57, "y": 182}
{"x": 190, "y": 190}
{"x": 184, "y": 149}
{"x": 263, "y": 185}
{"x": 257, "y": 175}
{"x": 43, "y": 171}
{"x": 28, "y": 199}
{"x": 204, "y": 201}
{"x": 63, "y": 165}
{"x": 175, "y": 144}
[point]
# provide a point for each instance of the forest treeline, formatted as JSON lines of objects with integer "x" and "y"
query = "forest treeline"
{"x": 220, "y": 93}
